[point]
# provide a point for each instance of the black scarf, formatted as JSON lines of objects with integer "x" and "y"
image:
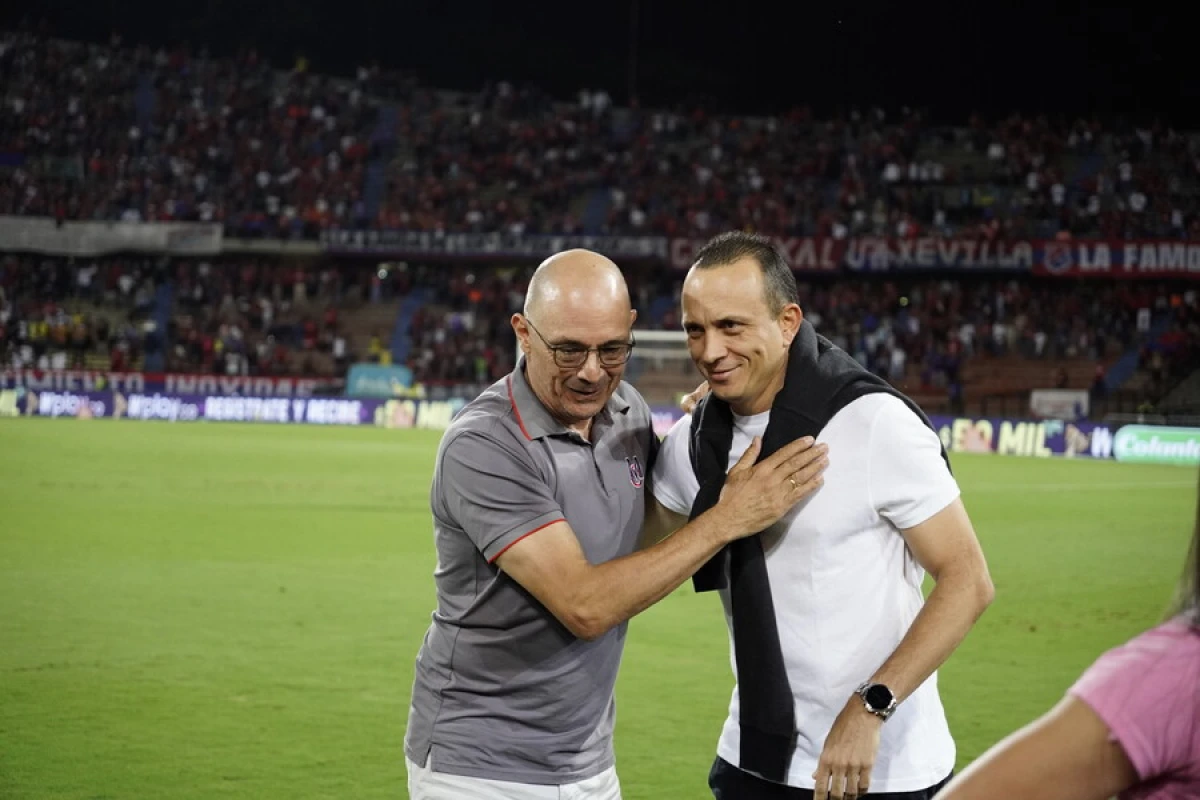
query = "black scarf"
{"x": 821, "y": 379}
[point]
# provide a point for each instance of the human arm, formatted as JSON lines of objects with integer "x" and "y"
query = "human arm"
{"x": 945, "y": 545}
{"x": 1130, "y": 719}
{"x": 659, "y": 521}
{"x": 589, "y": 599}
{"x": 662, "y": 521}
{"x": 908, "y": 482}
{"x": 1067, "y": 754}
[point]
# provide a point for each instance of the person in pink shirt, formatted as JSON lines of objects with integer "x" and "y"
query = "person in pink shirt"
{"x": 1129, "y": 727}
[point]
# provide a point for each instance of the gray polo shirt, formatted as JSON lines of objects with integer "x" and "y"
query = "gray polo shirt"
{"x": 502, "y": 689}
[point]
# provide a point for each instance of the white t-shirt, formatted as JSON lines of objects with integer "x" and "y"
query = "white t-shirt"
{"x": 845, "y": 586}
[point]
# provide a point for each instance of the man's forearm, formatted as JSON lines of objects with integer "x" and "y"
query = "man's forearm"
{"x": 949, "y": 613}
{"x": 616, "y": 590}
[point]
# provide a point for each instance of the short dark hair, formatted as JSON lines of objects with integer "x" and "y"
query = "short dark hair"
{"x": 779, "y": 283}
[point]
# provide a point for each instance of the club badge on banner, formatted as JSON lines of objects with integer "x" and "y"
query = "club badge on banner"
{"x": 1085, "y": 258}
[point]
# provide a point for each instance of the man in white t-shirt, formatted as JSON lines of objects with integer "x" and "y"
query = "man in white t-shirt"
{"x": 850, "y": 635}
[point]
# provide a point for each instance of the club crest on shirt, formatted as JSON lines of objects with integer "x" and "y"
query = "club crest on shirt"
{"x": 636, "y": 475}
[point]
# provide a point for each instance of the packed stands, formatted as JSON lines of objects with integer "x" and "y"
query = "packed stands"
{"x": 121, "y": 132}
{"x": 259, "y": 316}
{"x": 112, "y": 132}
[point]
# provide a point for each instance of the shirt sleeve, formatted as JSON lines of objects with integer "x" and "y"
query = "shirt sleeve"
{"x": 652, "y": 449}
{"x": 1146, "y": 693}
{"x": 908, "y": 480}
{"x": 673, "y": 481}
{"x": 494, "y": 493}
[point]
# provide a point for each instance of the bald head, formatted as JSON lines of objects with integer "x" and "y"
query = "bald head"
{"x": 577, "y": 316}
{"x": 573, "y": 280}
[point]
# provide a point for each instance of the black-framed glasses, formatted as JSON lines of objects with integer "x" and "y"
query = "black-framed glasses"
{"x": 574, "y": 356}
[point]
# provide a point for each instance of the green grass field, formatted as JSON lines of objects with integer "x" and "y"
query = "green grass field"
{"x": 200, "y": 611}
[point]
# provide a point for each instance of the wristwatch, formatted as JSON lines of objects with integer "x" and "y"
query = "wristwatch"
{"x": 877, "y": 698}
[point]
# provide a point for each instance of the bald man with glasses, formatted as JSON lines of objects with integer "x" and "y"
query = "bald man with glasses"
{"x": 548, "y": 540}
{"x": 573, "y": 355}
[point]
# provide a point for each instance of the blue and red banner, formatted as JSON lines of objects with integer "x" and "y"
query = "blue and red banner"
{"x": 84, "y": 380}
{"x": 1152, "y": 258}
{"x": 380, "y": 412}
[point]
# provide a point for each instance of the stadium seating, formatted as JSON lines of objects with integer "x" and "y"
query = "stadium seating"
{"x": 931, "y": 337}
{"x": 120, "y": 132}
{"x": 116, "y": 132}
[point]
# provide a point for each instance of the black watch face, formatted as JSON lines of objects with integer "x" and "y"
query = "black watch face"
{"x": 879, "y": 696}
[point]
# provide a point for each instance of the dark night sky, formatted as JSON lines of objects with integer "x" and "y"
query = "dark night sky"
{"x": 950, "y": 58}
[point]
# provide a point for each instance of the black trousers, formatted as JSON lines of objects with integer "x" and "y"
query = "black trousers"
{"x": 730, "y": 783}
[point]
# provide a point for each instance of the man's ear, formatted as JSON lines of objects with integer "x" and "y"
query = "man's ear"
{"x": 522, "y": 331}
{"x": 789, "y": 322}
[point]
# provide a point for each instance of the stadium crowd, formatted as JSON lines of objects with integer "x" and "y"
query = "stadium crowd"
{"x": 232, "y": 317}
{"x": 116, "y": 132}
{"x": 119, "y": 132}
{"x": 259, "y": 315}
{"x": 125, "y": 133}
{"x": 43, "y": 327}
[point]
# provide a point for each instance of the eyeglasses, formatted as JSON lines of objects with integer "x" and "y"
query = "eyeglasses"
{"x": 573, "y": 356}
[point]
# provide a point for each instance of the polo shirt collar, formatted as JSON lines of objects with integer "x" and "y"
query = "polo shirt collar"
{"x": 535, "y": 421}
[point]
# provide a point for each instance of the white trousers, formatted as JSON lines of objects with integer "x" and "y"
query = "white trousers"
{"x": 425, "y": 784}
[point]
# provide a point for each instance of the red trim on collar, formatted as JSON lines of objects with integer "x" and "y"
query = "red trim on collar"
{"x": 517, "y": 411}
